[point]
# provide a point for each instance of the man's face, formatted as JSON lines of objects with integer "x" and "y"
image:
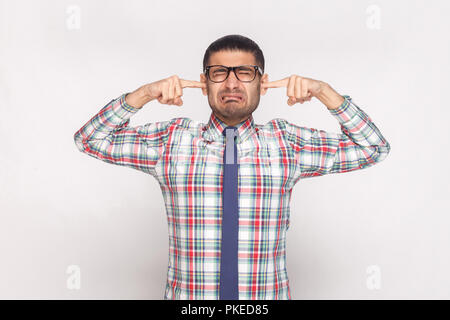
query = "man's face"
{"x": 232, "y": 111}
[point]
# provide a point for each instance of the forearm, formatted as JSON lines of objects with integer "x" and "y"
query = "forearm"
{"x": 359, "y": 145}
{"x": 329, "y": 97}
{"x": 361, "y": 142}
{"x": 138, "y": 98}
{"x": 113, "y": 116}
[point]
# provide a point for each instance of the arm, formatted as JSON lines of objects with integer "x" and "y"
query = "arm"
{"x": 107, "y": 136}
{"x": 359, "y": 145}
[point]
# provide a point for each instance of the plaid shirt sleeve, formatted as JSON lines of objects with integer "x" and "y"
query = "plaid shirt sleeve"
{"x": 359, "y": 145}
{"x": 107, "y": 136}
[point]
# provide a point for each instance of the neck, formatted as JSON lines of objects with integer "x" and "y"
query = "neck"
{"x": 231, "y": 122}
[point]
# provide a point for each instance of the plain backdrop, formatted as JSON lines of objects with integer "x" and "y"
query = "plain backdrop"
{"x": 376, "y": 233}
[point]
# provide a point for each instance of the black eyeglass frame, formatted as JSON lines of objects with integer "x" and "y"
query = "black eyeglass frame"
{"x": 257, "y": 69}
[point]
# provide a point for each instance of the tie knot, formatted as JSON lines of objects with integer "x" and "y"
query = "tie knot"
{"x": 229, "y": 131}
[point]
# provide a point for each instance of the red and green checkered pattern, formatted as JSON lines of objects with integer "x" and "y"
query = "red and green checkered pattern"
{"x": 186, "y": 157}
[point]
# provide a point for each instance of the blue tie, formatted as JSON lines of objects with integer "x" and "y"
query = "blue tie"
{"x": 230, "y": 220}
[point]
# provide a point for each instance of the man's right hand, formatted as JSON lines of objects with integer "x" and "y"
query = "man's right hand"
{"x": 167, "y": 91}
{"x": 170, "y": 90}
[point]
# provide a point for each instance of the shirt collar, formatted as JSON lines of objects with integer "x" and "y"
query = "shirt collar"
{"x": 213, "y": 129}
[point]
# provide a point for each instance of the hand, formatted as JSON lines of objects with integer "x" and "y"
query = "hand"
{"x": 169, "y": 90}
{"x": 299, "y": 89}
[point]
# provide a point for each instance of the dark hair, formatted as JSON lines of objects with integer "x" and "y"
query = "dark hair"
{"x": 235, "y": 42}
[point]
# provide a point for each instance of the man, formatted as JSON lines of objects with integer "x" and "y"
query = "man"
{"x": 227, "y": 184}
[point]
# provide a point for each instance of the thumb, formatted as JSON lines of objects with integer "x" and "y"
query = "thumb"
{"x": 178, "y": 102}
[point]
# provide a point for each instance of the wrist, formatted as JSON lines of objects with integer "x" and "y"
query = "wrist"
{"x": 138, "y": 98}
{"x": 329, "y": 97}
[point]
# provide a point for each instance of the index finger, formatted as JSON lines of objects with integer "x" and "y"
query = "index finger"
{"x": 276, "y": 84}
{"x": 192, "y": 84}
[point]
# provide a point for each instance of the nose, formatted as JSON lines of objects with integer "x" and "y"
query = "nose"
{"x": 232, "y": 81}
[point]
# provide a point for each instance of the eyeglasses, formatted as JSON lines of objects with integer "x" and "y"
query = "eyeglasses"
{"x": 219, "y": 73}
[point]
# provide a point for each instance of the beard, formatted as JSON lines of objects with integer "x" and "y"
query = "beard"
{"x": 233, "y": 111}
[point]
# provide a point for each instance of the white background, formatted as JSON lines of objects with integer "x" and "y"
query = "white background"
{"x": 62, "y": 61}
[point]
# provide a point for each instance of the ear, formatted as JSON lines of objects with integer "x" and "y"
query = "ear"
{"x": 264, "y": 79}
{"x": 203, "y": 79}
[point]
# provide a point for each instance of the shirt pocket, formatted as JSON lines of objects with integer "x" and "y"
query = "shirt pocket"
{"x": 177, "y": 170}
{"x": 270, "y": 168}
{"x": 192, "y": 173}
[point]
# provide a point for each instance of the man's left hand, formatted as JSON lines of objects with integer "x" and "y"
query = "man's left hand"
{"x": 299, "y": 89}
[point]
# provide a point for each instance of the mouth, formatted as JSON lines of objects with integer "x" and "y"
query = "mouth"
{"x": 229, "y": 98}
